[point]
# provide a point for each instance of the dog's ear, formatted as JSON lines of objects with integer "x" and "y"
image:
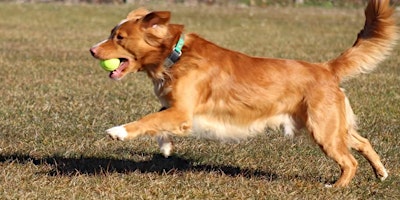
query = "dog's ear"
{"x": 137, "y": 14}
{"x": 155, "y": 26}
{"x": 156, "y": 18}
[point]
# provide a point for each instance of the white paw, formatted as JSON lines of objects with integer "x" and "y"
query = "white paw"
{"x": 165, "y": 144}
{"x": 384, "y": 176}
{"x": 288, "y": 129}
{"x": 117, "y": 133}
{"x": 166, "y": 149}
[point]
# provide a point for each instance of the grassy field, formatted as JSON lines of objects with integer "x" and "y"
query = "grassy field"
{"x": 56, "y": 103}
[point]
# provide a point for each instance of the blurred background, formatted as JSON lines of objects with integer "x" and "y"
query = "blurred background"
{"x": 242, "y": 3}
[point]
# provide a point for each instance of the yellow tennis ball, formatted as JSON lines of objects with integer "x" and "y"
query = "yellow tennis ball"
{"x": 110, "y": 64}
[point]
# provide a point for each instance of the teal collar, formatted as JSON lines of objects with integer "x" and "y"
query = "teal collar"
{"x": 175, "y": 54}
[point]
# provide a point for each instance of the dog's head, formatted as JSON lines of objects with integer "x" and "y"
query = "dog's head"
{"x": 138, "y": 41}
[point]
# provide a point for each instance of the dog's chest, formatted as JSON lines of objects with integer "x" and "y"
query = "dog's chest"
{"x": 161, "y": 90}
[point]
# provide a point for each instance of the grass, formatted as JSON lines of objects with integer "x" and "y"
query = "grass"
{"x": 56, "y": 103}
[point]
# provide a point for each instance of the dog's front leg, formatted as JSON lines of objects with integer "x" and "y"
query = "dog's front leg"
{"x": 171, "y": 120}
{"x": 165, "y": 141}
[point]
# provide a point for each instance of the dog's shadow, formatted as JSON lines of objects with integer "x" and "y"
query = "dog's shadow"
{"x": 62, "y": 166}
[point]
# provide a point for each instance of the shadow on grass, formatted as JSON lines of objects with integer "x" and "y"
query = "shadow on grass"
{"x": 157, "y": 164}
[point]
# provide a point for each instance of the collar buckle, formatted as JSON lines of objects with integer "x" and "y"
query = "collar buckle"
{"x": 175, "y": 54}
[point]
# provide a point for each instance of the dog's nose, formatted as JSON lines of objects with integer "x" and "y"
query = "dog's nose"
{"x": 93, "y": 51}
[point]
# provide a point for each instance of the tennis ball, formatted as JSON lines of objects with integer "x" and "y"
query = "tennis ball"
{"x": 110, "y": 64}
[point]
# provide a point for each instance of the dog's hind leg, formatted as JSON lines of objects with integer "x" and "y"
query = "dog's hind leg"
{"x": 363, "y": 146}
{"x": 326, "y": 121}
{"x": 336, "y": 148}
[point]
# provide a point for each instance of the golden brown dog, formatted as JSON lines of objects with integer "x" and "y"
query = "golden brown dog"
{"x": 213, "y": 92}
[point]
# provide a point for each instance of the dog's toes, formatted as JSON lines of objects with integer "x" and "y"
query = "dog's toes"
{"x": 117, "y": 133}
{"x": 383, "y": 175}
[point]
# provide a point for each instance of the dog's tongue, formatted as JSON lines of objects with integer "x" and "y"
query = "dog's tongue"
{"x": 116, "y": 74}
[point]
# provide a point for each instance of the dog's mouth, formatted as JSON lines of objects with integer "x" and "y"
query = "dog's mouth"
{"x": 119, "y": 72}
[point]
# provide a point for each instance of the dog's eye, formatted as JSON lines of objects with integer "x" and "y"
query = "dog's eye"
{"x": 119, "y": 37}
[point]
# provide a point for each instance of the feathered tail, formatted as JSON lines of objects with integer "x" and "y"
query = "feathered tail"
{"x": 373, "y": 43}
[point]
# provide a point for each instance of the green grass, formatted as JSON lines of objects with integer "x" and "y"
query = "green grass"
{"x": 56, "y": 103}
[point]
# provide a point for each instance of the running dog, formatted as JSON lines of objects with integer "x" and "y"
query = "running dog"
{"x": 213, "y": 92}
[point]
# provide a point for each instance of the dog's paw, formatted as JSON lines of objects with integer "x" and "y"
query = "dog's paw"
{"x": 166, "y": 149}
{"x": 382, "y": 176}
{"x": 117, "y": 133}
{"x": 165, "y": 144}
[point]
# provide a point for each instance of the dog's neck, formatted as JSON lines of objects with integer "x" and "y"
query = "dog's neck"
{"x": 170, "y": 51}
{"x": 176, "y": 53}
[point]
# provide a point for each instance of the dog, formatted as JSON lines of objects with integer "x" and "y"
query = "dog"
{"x": 212, "y": 92}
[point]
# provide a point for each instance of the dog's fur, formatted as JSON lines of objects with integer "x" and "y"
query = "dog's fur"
{"x": 218, "y": 93}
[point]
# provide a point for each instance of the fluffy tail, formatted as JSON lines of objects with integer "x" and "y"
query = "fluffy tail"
{"x": 373, "y": 43}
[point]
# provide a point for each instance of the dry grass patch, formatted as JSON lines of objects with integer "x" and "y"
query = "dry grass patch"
{"x": 56, "y": 103}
